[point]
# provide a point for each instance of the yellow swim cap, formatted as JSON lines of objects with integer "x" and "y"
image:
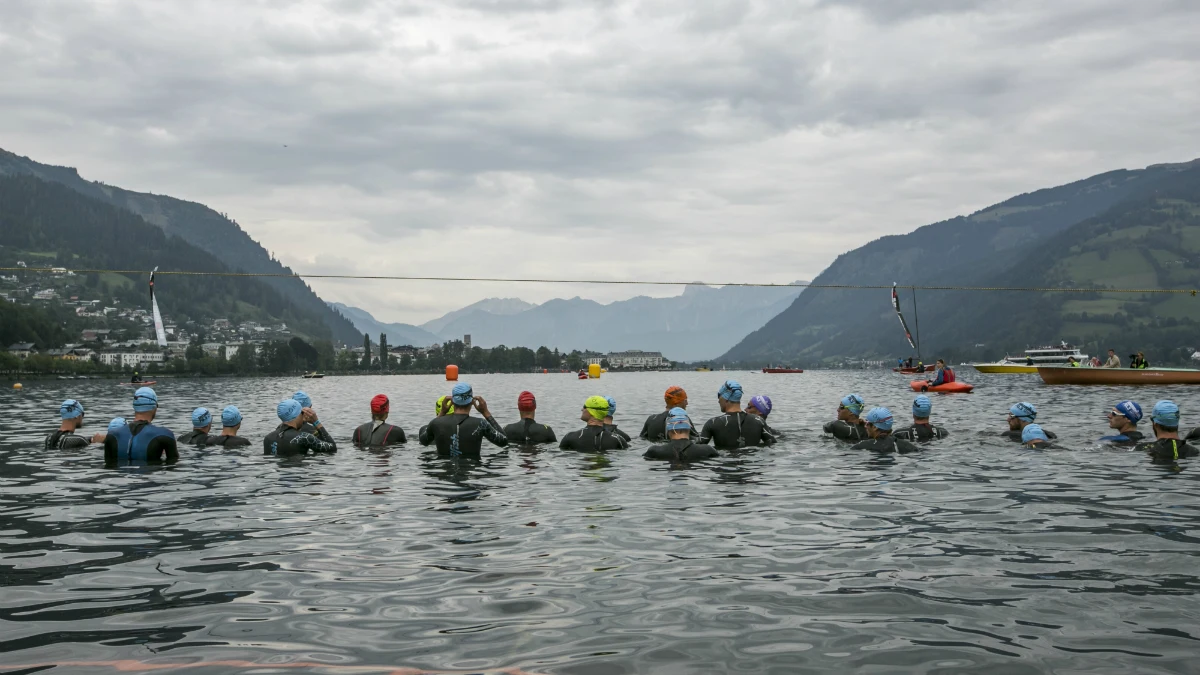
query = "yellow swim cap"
{"x": 597, "y": 406}
{"x": 443, "y": 403}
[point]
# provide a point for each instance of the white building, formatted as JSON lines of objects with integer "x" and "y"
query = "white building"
{"x": 130, "y": 359}
{"x": 635, "y": 358}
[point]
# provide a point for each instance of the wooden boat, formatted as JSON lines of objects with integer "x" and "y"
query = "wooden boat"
{"x": 1004, "y": 368}
{"x": 948, "y": 388}
{"x": 1114, "y": 376}
{"x": 313, "y": 376}
{"x": 783, "y": 370}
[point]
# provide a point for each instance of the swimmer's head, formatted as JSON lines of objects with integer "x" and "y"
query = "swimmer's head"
{"x": 1032, "y": 433}
{"x": 880, "y": 418}
{"x": 304, "y": 399}
{"x": 201, "y": 418}
{"x": 1166, "y": 415}
{"x": 922, "y": 407}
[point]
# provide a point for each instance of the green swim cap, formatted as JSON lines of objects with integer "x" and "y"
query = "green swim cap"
{"x": 597, "y": 406}
{"x": 443, "y": 403}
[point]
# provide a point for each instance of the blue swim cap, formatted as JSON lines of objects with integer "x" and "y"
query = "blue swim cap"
{"x": 201, "y": 418}
{"x": 881, "y": 418}
{"x": 116, "y": 423}
{"x": 762, "y": 403}
{"x": 70, "y": 409}
{"x": 854, "y": 403}
{"x": 304, "y": 399}
{"x": 1165, "y": 414}
{"x": 1033, "y": 432}
{"x": 677, "y": 419}
{"x": 231, "y": 416}
{"x": 922, "y": 406}
{"x": 288, "y": 409}
{"x": 144, "y": 400}
{"x": 462, "y": 394}
{"x": 1023, "y": 410}
{"x": 612, "y": 405}
{"x": 730, "y": 391}
{"x": 1131, "y": 410}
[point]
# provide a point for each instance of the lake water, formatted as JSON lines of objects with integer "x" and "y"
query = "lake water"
{"x": 973, "y": 556}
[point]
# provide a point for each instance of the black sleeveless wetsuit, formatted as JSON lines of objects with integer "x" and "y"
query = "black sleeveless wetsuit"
{"x": 529, "y": 432}
{"x": 921, "y": 432}
{"x": 681, "y": 450}
{"x": 65, "y": 440}
{"x": 592, "y": 439}
{"x": 1168, "y": 450}
{"x": 655, "y": 427}
{"x": 460, "y": 435}
{"x": 846, "y": 431}
{"x": 226, "y": 441}
{"x": 379, "y": 436}
{"x": 193, "y": 437}
{"x": 736, "y": 430}
{"x": 887, "y": 443}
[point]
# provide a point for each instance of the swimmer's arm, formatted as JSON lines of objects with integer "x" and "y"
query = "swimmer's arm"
{"x": 550, "y": 437}
{"x": 425, "y": 435}
{"x": 400, "y": 437}
{"x": 303, "y": 441}
{"x": 493, "y": 432}
{"x": 706, "y": 433}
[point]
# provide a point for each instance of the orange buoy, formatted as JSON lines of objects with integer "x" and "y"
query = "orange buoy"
{"x": 544, "y": 371}
{"x": 452, "y": 372}
{"x": 17, "y": 385}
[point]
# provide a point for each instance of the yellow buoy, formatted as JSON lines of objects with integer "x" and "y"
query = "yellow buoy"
{"x": 594, "y": 371}
{"x": 17, "y": 386}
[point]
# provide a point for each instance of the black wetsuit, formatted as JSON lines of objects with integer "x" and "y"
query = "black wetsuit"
{"x": 1016, "y": 435}
{"x": 1128, "y": 438}
{"x": 65, "y": 440}
{"x": 736, "y": 430}
{"x": 591, "y": 439}
{"x": 378, "y": 435}
{"x": 1168, "y": 449}
{"x": 887, "y": 443}
{"x": 123, "y": 444}
{"x": 921, "y": 432}
{"x": 286, "y": 441}
{"x": 529, "y": 432}
{"x": 681, "y": 450}
{"x": 846, "y": 431}
{"x": 460, "y": 435}
{"x": 226, "y": 441}
{"x": 612, "y": 429}
{"x": 655, "y": 427}
{"x": 193, "y": 437}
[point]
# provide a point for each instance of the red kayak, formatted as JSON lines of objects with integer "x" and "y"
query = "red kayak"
{"x": 948, "y": 388}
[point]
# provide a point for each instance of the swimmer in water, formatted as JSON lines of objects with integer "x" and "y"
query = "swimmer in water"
{"x": 655, "y": 427}
{"x": 1166, "y": 446}
{"x": 679, "y": 447}
{"x": 594, "y": 436}
{"x": 378, "y": 433}
{"x": 231, "y": 422}
{"x": 460, "y": 435}
{"x": 921, "y": 429}
{"x": 140, "y": 441}
{"x": 441, "y": 407}
{"x": 528, "y": 431}
{"x": 289, "y": 438}
{"x": 734, "y": 428}
{"x": 848, "y": 426}
{"x": 761, "y": 406}
{"x": 306, "y": 403}
{"x": 609, "y": 425}
{"x": 1021, "y": 415}
{"x": 1124, "y": 418}
{"x": 879, "y": 427}
{"x": 1032, "y": 436}
{"x": 71, "y": 412}
{"x": 201, "y": 425}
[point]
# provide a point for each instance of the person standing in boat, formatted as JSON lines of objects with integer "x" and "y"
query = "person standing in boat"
{"x": 943, "y": 375}
{"x": 1113, "y": 361}
{"x": 1072, "y": 361}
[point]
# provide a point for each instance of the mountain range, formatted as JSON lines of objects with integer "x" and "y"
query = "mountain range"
{"x": 1120, "y": 229}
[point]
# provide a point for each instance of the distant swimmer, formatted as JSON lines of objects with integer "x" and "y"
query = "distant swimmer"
{"x": 879, "y": 427}
{"x": 1021, "y": 415}
{"x": 655, "y": 427}
{"x": 1166, "y": 446}
{"x": 201, "y": 425}
{"x": 378, "y": 433}
{"x": 140, "y": 441}
{"x": 921, "y": 429}
{"x": 1032, "y": 436}
{"x": 679, "y": 447}
{"x": 761, "y": 406}
{"x": 734, "y": 428}
{"x": 1113, "y": 361}
{"x": 1124, "y": 417}
{"x": 942, "y": 374}
{"x": 848, "y": 426}
{"x": 289, "y": 438}
{"x": 593, "y": 437}
{"x": 231, "y": 422}
{"x": 460, "y": 435}
{"x": 611, "y": 426}
{"x": 71, "y": 412}
{"x": 528, "y": 431}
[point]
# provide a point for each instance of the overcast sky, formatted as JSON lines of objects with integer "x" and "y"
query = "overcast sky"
{"x": 689, "y": 139}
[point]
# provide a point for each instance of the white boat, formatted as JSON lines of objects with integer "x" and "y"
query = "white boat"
{"x": 1038, "y": 356}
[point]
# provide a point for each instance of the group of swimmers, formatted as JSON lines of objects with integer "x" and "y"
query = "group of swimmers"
{"x": 875, "y": 429}
{"x": 456, "y": 433}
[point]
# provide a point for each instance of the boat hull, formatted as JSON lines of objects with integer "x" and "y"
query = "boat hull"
{"x": 909, "y": 371}
{"x": 783, "y": 370}
{"x": 948, "y": 388}
{"x": 1006, "y": 368}
{"x": 1115, "y": 376}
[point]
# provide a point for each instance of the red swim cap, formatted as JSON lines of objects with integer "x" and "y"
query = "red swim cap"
{"x": 379, "y": 404}
{"x": 526, "y": 401}
{"x": 675, "y": 396}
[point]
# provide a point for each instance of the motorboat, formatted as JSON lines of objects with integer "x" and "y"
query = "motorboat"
{"x": 1038, "y": 356}
{"x": 783, "y": 370}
